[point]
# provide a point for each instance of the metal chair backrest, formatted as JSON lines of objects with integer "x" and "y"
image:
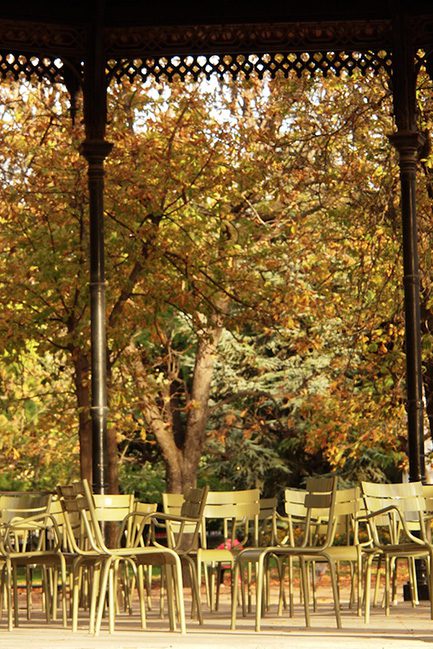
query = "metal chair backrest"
{"x": 348, "y": 506}
{"x": 113, "y": 507}
{"x": 267, "y": 509}
{"x": 239, "y": 512}
{"x": 320, "y": 502}
{"x": 297, "y": 509}
{"x": 172, "y": 504}
{"x": 111, "y": 510}
{"x": 22, "y": 504}
{"x": 295, "y": 516}
{"x": 427, "y": 491}
{"x": 183, "y": 536}
{"x": 134, "y": 531}
{"x": 17, "y": 507}
{"x": 84, "y": 532}
{"x": 404, "y": 497}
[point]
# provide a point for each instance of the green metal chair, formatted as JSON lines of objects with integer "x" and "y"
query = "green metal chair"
{"x": 90, "y": 547}
{"x": 24, "y": 544}
{"x": 237, "y": 512}
{"x": 319, "y": 502}
{"x": 392, "y": 510}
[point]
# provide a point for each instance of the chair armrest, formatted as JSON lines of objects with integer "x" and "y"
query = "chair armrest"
{"x": 378, "y": 512}
{"x": 394, "y": 508}
{"x": 154, "y": 519}
{"x": 31, "y": 524}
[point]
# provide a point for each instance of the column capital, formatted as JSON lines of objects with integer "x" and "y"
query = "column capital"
{"x": 95, "y": 150}
{"x": 407, "y": 141}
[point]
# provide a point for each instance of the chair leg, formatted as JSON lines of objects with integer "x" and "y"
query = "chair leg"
{"x": 219, "y": 573}
{"x": 267, "y": 594}
{"x": 378, "y": 579}
{"x": 2, "y": 590}
{"x": 387, "y": 585}
{"x": 76, "y": 595}
{"x": 352, "y": 596}
{"x": 179, "y": 588}
{"x": 148, "y": 574}
{"x": 359, "y": 585}
{"x": 305, "y": 589}
{"x": 9, "y": 593}
{"x": 243, "y": 578}
{"x": 281, "y": 593}
{"x": 175, "y": 594}
{"x": 53, "y": 582}
{"x": 234, "y": 588}
{"x": 367, "y": 588}
{"x": 393, "y": 578}
{"x": 102, "y": 593}
{"x": 291, "y": 593}
{"x": 96, "y": 580}
{"x": 141, "y": 595}
{"x": 413, "y": 582}
{"x": 15, "y": 592}
{"x": 162, "y": 589}
{"x": 212, "y": 587}
{"x": 195, "y": 590}
{"x": 259, "y": 588}
{"x": 171, "y": 604}
{"x": 313, "y": 585}
{"x": 334, "y": 580}
{"x": 249, "y": 587}
{"x": 111, "y": 598}
{"x": 430, "y": 580}
{"x": 29, "y": 577}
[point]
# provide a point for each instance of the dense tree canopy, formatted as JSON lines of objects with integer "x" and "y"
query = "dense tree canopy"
{"x": 254, "y": 306}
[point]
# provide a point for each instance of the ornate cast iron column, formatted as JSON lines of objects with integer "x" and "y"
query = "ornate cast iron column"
{"x": 95, "y": 149}
{"x": 407, "y": 140}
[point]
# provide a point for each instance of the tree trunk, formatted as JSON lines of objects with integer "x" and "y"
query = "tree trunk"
{"x": 182, "y": 460}
{"x": 198, "y": 412}
{"x": 82, "y": 392}
{"x": 113, "y": 461}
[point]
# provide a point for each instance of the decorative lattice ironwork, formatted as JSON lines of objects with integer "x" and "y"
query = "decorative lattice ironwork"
{"x": 43, "y": 39}
{"x": 299, "y": 63}
{"x": 246, "y": 38}
{"x": 18, "y": 66}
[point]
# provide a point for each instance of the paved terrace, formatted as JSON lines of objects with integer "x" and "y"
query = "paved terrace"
{"x": 405, "y": 628}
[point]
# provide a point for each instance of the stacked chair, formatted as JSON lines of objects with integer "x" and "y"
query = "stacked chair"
{"x": 86, "y": 538}
{"x": 29, "y": 537}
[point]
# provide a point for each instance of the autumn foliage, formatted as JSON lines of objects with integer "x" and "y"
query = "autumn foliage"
{"x": 254, "y": 297}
